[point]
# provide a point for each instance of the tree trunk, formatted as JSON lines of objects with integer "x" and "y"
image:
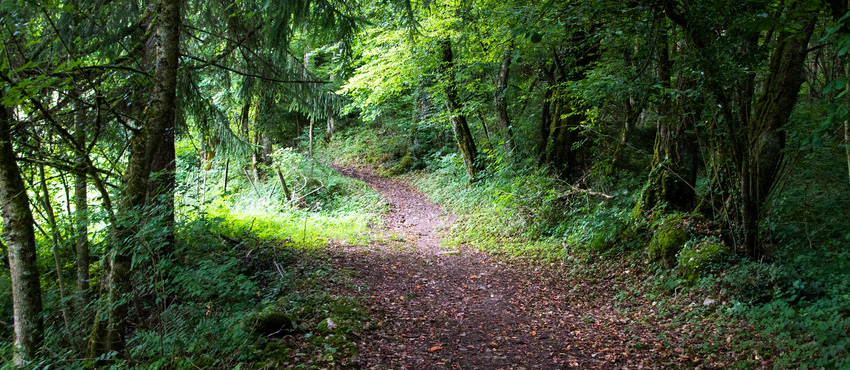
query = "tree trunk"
{"x": 633, "y": 111}
{"x": 766, "y": 134}
{"x": 160, "y": 151}
{"x": 464, "y": 138}
{"x": 674, "y": 163}
{"x": 159, "y": 129}
{"x": 256, "y": 156}
{"x": 500, "y": 102}
{"x": 545, "y": 122}
{"x": 565, "y": 118}
{"x": 563, "y": 123}
{"x": 81, "y": 216}
{"x": 56, "y": 238}
{"x": 226, "y": 174}
{"x": 20, "y": 240}
{"x": 847, "y": 140}
{"x": 330, "y": 130}
{"x": 285, "y": 188}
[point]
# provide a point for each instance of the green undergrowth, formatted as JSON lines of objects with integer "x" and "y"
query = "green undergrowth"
{"x": 324, "y": 205}
{"x": 788, "y": 310}
{"x": 797, "y": 301}
{"x": 223, "y": 289}
{"x": 516, "y": 211}
{"x": 248, "y": 282}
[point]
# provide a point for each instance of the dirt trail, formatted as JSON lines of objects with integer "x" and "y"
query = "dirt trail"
{"x": 468, "y": 310}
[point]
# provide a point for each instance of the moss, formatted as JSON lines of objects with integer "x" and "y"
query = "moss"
{"x": 666, "y": 243}
{"x": 274, "y": 323}
{"x": 326, "y": 326}
{"x": 405, "y": 164}
{"x": 693, "y": 261}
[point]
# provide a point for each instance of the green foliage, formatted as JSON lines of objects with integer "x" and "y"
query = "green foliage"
{"x": 5, "y": 304}
{"x": 802, "y": 303}
{"x": 515, "y": 210}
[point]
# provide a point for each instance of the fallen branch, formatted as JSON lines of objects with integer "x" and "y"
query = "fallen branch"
{"x": 588, "y": 191}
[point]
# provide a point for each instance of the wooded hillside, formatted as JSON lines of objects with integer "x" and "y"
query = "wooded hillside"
{"x": 167, "y": 182}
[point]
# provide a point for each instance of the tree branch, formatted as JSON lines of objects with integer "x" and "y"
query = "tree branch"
{"x": 210, "y": 63}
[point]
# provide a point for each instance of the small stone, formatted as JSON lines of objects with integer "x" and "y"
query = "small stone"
{"x": 708, "y": 302}
{"x": 331, "y": 324}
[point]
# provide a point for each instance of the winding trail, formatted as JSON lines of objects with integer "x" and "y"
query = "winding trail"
{"x": 438, "y": 309}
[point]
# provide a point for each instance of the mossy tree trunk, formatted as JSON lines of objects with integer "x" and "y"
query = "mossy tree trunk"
{"x": 671, "y": 182}
{"x": 109, "y": 335}
{"x": 749, "y": 142}
{"x": 20, "y": 240}
{"x": 565, "y": 114}
{"x": 500, "y": 99}
{"x": 633, "y": 110}
{"x": 464, "y": 138}
{"x": 766, "y": 139}
{"x": 546, "y": 113}
{"x": 560, "y": 151}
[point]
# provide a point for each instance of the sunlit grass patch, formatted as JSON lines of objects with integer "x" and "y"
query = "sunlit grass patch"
{"x": 304, "y": 228}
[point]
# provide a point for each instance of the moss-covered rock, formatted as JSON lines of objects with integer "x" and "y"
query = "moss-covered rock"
{"x": 326, "y": 326}
{"x": 693, "y": 261}
{"x": 405, "y": 164}
{"x": 668, "y": 240}
{"x": 273, "y": 323}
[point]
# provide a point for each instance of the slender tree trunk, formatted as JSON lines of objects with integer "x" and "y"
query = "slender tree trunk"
{"x": 160, "y": 151}
{"x": 545, "y": 123}
{"x": 633, "y": 111}
{"x": 674, "y": 164}
{"x": 81, "y": 217}
{"x": 286, "y": 191}
{"x": 20, "y": 238}
{"x": 310, "y": 137}
{"x": 331, "y": 129}
{"x": 226, "y": 174}
{"x": 159, "y": 129}
{"x": 560, "y": 149}
{"x": 486, "y": 131}
{"x": 847, "y": 143}
{"x": 847, "y": 126}
{"x": 57, "y": 242}
{"x": 256, "y": 157}
{"x": 500, "y": 101}
{"x": 563, "y": 122}
{"x": 459, "y": 123}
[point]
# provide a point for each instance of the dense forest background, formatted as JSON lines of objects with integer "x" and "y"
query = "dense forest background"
{"x": 164, "y": 164}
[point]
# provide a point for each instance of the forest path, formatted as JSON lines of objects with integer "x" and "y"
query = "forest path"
{"x": 435, "y": 309}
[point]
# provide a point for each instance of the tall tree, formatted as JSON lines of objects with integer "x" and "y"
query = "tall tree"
{"x": 754, "y": 129}
{"x": 500, "y": 98}
{"x": 465, "y": 140}
{"x": 20, "y": 239}
{"x": 154, "y": 141}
